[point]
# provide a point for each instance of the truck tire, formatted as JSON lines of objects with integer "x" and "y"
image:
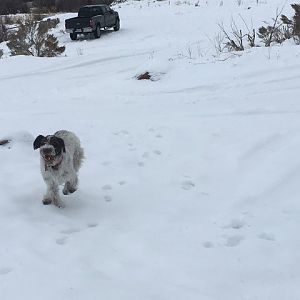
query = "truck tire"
{"x": 73, "y": 36}
{"x": 97, "y": 32}
{"x": 117, "y": 26}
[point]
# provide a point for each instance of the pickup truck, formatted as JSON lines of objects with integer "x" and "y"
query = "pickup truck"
{"x": 91, "y": 19}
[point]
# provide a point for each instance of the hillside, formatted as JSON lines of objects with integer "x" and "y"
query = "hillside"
{"x": 189, "y": 186}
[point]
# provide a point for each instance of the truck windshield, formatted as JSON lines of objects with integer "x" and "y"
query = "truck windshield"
{"x": 89, "y": 12}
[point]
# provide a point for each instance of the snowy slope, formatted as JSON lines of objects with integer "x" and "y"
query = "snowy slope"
{"x": 189, "y": 189}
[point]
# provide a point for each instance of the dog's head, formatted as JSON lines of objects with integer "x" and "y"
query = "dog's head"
{"x": 51, "y": 148}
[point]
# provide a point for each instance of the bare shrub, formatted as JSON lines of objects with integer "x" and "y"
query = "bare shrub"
{"x": 11, "y": 20}
{"x": 1, "y": 53}
{"x": 13, "y": 7}
{"x": 33, "y": 38}
{"x": 251, "y": 33}
{"x": 3, "y": 32}
{"x": 234, "y": 39}
{"x": 292, "y": 26}
{"x": 272, "y": 33}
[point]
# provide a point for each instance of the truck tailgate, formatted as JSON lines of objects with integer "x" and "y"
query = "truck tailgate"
{"x": 77, "y": 22}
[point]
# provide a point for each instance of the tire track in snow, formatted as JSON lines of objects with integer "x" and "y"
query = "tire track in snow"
{"x": 75, "y": 66}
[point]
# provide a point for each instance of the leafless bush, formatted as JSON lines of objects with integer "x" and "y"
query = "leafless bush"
{"x": 251, "y": 34}
{"x": 272, "y": 33}
{"x": 1, "y": 53}
{"x": 217, "y": 42}
{"x": 11, "y": 20}
{"x": 292, "y": 26}
{"x": 13, "y": 7}
{"x": 33, "y": 38}
{"x": 3, "y": 32}
{"x": 234, "y": 39}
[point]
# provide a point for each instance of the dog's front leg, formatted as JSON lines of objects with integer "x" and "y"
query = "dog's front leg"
{"x": 52, "y": 194}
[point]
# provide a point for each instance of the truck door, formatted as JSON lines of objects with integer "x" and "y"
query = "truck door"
{"x": 109, "y": 17}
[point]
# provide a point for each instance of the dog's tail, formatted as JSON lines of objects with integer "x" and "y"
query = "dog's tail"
{"x": 78, "y": 158}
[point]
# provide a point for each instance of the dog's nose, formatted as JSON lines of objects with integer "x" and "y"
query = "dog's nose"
{"x": 47, "y": 150}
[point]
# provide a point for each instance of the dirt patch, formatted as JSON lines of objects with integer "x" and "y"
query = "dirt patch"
{"x": 144, "y": 76}
{"x": 4, "y": 142}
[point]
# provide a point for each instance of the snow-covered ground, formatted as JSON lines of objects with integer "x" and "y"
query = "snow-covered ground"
{"x": 190, "y": 187}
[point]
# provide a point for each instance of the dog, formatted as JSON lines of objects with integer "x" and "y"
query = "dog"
{"x": 61, "y": 157}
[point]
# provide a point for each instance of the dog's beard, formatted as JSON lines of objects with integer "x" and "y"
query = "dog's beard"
{"x": 49, "y": 160}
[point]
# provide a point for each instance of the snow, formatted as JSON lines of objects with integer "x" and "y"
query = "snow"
{"x": 190, "y": 185}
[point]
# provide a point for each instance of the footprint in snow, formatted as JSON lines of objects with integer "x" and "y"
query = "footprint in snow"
{"x": 208, "y": 244}
{"x": 157, "y": 152}
{"x": 234, "y": 240}
{"x": 141, "y": 164}
{"x": 187, "y": 185}
{"x": 4, "y": 271}
{"x": 267, "y": 236}
{"x": 61, "y": 241}
{"x": 106, "y": 187}
{"x": 131, "y": 147}
{"x": 145, "y": 155}
{"x": 107, "y": 198}
{"x": 92, "y": 224}
{"x": 70, "y": 231}
{"x": 236, "y": 224}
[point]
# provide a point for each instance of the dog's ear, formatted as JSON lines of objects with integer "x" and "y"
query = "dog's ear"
{"x": 58, "y": 144}
{"x": 38, "y": 142}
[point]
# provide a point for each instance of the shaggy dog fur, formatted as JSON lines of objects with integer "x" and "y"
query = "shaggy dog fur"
{"x": 61, "y": 157}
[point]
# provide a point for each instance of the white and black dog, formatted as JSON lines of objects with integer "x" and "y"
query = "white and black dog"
{"x": 61, "y": 158}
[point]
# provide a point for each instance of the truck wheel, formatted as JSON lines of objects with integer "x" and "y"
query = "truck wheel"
{"x": 97, "y": 32}
{"x": 117, "y": 26}
{"x": 73, "y": 36}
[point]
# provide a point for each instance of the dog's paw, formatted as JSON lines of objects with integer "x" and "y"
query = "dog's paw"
{"x": 68, "y": 189}
{"x": 47, "y": 201}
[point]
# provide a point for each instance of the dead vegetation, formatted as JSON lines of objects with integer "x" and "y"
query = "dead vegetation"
{"x": 144, "y": 76}
{"x": 4, "y": 142}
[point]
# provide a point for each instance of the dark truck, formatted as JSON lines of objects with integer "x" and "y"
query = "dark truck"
{"x": 91, "y": 19}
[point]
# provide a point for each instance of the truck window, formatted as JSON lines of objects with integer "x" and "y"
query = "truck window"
{"x": 89, "y": 12}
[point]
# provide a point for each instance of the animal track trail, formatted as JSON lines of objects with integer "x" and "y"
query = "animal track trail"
{"x": 67, "y": 233}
